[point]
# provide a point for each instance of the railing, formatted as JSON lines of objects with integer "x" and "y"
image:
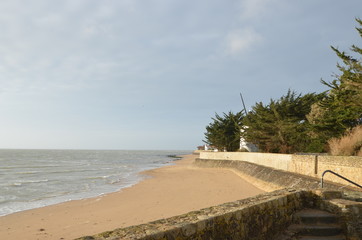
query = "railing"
{"x": 340, "y": 177}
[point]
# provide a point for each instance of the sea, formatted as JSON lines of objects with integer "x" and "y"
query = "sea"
{"x": 37, "y": 178}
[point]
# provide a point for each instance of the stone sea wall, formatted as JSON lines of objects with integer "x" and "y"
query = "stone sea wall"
{"x": 308, "y": 165}
{"x": 258, "y": 218}
{"x": 267, "y": 178}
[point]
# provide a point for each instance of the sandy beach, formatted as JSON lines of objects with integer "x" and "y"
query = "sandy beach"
{"x": 167, "y": 192}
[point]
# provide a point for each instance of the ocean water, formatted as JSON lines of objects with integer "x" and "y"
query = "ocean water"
{"x": 36, "y": 178}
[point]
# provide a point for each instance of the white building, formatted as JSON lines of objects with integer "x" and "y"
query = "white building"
{"x": 250, "y": 147}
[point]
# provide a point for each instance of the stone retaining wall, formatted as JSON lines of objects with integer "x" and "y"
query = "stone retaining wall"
{"x": 263, "y": 217}
{"x": 309, "y": 165}
{"x": 266, "y": 178}
{"x": 273, "y": 160}
{"x": 350, "y": 167}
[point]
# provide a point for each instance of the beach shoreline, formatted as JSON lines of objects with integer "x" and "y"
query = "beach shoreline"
{"x": 32, "y": 178}
{"x": 165, "y": 192}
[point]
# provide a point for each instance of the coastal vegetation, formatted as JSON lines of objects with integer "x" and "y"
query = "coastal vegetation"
{"x": 349, "y": 144}
{"x": 224, "y": 132}
{"x": 281, "y": 125}
{"x": 314, "y": 122}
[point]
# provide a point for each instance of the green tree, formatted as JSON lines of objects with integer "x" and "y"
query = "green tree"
{"x": 224, "y": 132}
{"x": 281, "y": 126}
{"x": 341, "y": 109}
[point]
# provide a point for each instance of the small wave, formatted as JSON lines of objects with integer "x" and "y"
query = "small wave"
{"x": 98, "y": 177}
{"x": 20, "y": 183}
{"x": 50, "y": 195}
{"x": 61, "y": 171}
{"x": 7, "y": 199}
{"x": 27, "y": 172}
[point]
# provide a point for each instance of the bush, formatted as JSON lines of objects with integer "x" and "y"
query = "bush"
{"x": 348, "y": 145}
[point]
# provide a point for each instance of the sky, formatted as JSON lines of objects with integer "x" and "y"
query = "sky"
{"x": 150, "y": 74}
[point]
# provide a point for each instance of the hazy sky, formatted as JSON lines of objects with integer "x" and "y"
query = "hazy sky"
{"x": 150, "y": 74}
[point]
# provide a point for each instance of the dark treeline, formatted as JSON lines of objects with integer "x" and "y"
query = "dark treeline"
{"x": 296, "y": 122}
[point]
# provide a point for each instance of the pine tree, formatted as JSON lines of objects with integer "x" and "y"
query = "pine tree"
{"x": 281, "y": 126}
{"x": 341, "y": 109}
{"x": 224, "y": 132}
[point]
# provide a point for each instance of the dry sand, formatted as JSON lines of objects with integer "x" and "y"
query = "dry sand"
{"x": 170, "y": 191}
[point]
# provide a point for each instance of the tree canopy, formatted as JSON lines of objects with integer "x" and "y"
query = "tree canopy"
{"x": 281, "y": 126}
{"x": 224, "y": 132}
{"x": 341, "y": 109}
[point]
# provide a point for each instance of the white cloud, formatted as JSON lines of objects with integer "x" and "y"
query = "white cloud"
{"x": 240, "y": 41}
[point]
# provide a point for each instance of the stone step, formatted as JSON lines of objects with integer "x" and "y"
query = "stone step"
{"x": 314, "y": 216}
{"x": 337, "y": 237}
{"x": 316, "y": 230}
{"x": 313, "y": 224}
